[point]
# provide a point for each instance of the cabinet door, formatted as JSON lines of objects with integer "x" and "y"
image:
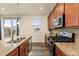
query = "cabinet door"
{"x": 77, "y": 14}
{"x": 23, "y": 52}
{"x": 59, "y": 10}
{"x": 71, "y": 15}
{"x": 50, "y": 22}
{"x": 58, "y": 51}
{"x": 23, "y": 49}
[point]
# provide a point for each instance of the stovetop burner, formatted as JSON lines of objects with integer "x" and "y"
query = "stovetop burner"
{"x": 63, "y": 37}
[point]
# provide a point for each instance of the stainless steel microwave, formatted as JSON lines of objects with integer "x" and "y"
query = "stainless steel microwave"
{"x": 59, "y": 22}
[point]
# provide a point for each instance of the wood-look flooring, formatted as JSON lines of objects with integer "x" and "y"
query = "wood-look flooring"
{"x": 38, "y": 49}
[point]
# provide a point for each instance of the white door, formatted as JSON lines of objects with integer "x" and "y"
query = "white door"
{"x": 39, "y": 31}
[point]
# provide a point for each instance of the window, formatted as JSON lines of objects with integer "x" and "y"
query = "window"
{"x": 14, "y": 28}
{"x": 36, "y": 23}
{"x": 9, "y": 28}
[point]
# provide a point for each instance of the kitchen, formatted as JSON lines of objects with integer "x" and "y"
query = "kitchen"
{"x": 49, "y": 28}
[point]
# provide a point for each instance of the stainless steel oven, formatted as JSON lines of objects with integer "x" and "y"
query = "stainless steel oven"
{"x": 30, "y": 43}
{"x": 51, "y": 46}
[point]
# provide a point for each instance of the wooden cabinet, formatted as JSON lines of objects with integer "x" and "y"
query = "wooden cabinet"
{"x": 77, "y": 14}
{"x": 71, "y": 11}
{"x": 22, "y": 49}
{"x": 14, "y": 52}
{"x": 61, "y": 9}
{"x": 58, "y": 11}
{"x": 49, "y": 23}
{"x": 71, "y": 15}
{"x": 59, "y": 52}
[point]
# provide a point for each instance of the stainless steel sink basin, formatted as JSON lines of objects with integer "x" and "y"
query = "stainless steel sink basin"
{"x": 15, "y": 41}
{"x": 12, "y": 41}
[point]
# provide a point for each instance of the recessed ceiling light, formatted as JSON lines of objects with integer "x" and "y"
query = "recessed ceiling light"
{"x": 41, "y": 8}
{"x": 2, "y": 8}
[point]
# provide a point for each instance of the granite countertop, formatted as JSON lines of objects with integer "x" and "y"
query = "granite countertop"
{"x": 6, "y": 48}
{"x": 70, "y": 49}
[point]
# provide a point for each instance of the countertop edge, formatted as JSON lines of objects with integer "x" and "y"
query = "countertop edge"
{"x": 17, "y": 45}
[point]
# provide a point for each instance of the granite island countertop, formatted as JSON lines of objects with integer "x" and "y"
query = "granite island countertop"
{"x": 70, "y": 49}
{"x": 6, "y": 48}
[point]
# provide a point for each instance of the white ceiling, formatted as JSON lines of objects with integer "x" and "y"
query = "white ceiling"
{"x": 20, "y": 9}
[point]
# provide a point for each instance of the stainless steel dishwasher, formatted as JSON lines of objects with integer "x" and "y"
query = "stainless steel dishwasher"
{"x": 30, "y": 43}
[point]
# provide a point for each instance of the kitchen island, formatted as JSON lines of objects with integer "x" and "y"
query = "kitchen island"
{"x": 6, "y": 49}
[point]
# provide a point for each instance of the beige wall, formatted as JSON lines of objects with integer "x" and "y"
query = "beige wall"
{"x": 26, "y": 27}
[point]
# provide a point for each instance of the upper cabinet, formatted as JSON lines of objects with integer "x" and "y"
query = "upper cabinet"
{"x": 77, "y": 14}
{"x": 71, "y": 15}
{"x": 71, "y": 12}
{"x": 50, "y": 22}
{"x": 58, "y": 11}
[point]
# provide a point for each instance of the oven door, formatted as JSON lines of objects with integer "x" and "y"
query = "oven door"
{"x": 51, "y": 48}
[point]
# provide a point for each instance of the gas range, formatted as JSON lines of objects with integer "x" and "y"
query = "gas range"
{"x": 63, "y": 37}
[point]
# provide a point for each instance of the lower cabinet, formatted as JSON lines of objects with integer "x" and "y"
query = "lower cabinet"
{"x": 22, "y": 50}
{"x": 58, "y": 51}
{"x": 27, "y": 47}
{"x": 14, "y": 52}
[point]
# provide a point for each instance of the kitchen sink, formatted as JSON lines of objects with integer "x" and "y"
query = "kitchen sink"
{"x": 15, "y": 41}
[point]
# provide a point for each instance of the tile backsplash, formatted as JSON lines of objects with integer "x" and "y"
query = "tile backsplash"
{"x": 71, "y": 30}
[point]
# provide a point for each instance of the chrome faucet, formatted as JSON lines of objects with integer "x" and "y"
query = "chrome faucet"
{"x": 12, "y": 36}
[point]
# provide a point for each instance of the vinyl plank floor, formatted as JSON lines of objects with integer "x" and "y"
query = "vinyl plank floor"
{"x": 39, "y": 50}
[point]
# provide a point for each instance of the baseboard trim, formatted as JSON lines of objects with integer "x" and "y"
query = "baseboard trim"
{"x": 37, "y": 43}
